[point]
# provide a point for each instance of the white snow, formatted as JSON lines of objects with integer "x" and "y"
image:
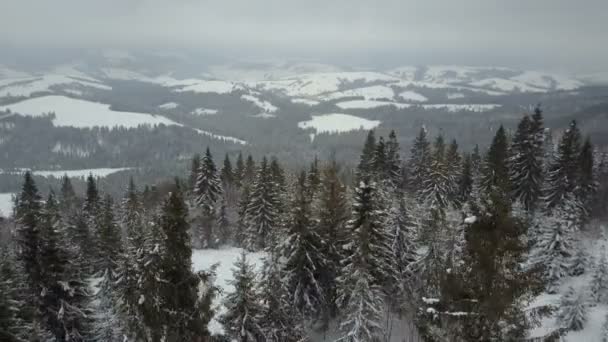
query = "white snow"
{"x": 461, "y": 107}
{"x": 100, "y": 172}
{"x": 204, "y": 111}
{"x": 81, "y": 113}
{"x": 204, "y": 259}
{"x": 6, "y": 204}
{"x": 470, "y": 219}
{"x": 265, "y": 106}
{"x": 413, "y": 96}
{"x": 28, "y": 86}
{"x": 367, "y": 104}
{"x": 223, "y": 138}
{"x": 305, "y": 101}
{"x": 506, "y": 85}
{"x": 337, "y": 123}
{"x": 219, "y": 87}
{"x": 453, "y": 96}
{"x": 169, "y": 105}
{"x": 368, "y": 93}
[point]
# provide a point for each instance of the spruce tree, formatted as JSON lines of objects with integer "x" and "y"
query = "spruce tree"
{"x": 91, "y": 216}
{"x": 586, "y": 178}
{"x": 563, "y": 170}
{"x": 495, "y": 171}
{"x": 243, "y": 317}
{"x": 393, "y": 160}
{"x": 13, "y": 327}
{"x": 465, "y": 183}
{"x": 573, "y": 308}
{"x": 526, "y": 162}
{"x": 379, "y": 163}
{"x": 109, "y": 239}
{"x": 250, "y": 170}
{"x": 262, "y": 213}
{"x": 208, "y": 190}
{"x": 599, "y": 282}
{"x": 227, "y": 174}
{"x": 404, "y": 244}
{"x": 303, "y": 262}
{"x": 332, "y": 214}
{"x": 436, "y": 188}
{"x": 194, "y": 169}
{"x": 239, "y": 170}
{"x": 313, "y": 178}
{"x": 453, "y": 163}
{"x": 179, "y": 289}
{"x": 223, "y": 225}
{"x": 366, "y": 161}
{"x": 419, "y": 163}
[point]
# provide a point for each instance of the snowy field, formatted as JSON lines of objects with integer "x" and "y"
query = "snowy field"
{"x": 204, "y": 111}
{"x": 337, "y": 123}
{"x": 169, "y": 105}
{"x": 6, "y": 204}
{"x": 29, "y": 86}
{"x": 368, "y": 93}
{"x": 413, "y": 96}
{"x": 460, "y": 107}
{"x": 100, "y": 172}
{"x": 83, "y": 114}
{"x": 218, "y": 87}
{"x": 225, "y": 257}
{"x": 368, "y": 104}
{"x": 264, "y": 106}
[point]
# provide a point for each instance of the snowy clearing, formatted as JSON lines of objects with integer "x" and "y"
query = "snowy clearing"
{"x": 204, "y": 111}
{"x": 204, "y": 259}
{"x": 28, "y": 86}
{"x": 413, "y": 96}
{"x": 463, "y": 107}
{"x": 223, "y": 138}
{"x": 337, "y": 123}
{"x": 368, "y": 93}
{"x": 100, "y": 172}
{"x": 6, "y": 204}
{"x": 82, "y": 114}
{"x": 367, "y": 104}
{"x": 265, "y": 106}
{"x": 305, "y": 101}
{"x": 219, "y": 87}
{"x": 169, "y": 105}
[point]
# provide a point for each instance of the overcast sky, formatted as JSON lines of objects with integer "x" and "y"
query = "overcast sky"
{"x": 557, "y": 34}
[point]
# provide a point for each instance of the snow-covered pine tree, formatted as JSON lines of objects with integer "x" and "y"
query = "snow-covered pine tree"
{"x": 586, "y": 181}
{"x": 599, "y": 282}
{"x": 419, "y": 164}
{"x": 465, "y": 183}
{"x": 331, "y": 212}
{"x": 106, "y": 322}
{"x": 563, "y": 170}
{"x": 223, "y": 226}
{"x": 227, "y": 175}
{"x": 404, "y": 244}
{"x": 243, "y": 317}
{"x": 366, "y": 161}
{"x": 580, "y": 259}
{"x": 179, "y": 288}
{"x": 250, "y": 170}
{"x": 109, "y": 239}
{"x": 368, "y": 269}
{"x": 262, "y": 213}
{"x": 67, "y": 195}
{"x": 495, "y": 171}
{"x": 280, "y": 321}
{"x": 13, "y": 310}
{"x": 453, "y": 163}
{"x": 239, "y": 170}
{"x": 303, "y": 262}
{"x": 91, "y": 216}
{"x": 207, "y": 191}
{"x": 379, "y": 164}
{"x": 573, "y": 308}
{"x": 194, "y": 168}
{"x": 28, "y": 219}
{"x": 313, "y": 178}
{"x": 240, "y": 234}
{"x": 436, "y": 188}
{"x": 555, "y": 245}
{"x": 393, "y": 161}
{"x": 526, "y": 163}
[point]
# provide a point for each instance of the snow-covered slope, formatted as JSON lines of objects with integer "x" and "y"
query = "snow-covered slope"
{"x": 6, "y": 204}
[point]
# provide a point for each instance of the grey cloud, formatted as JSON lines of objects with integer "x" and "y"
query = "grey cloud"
{"x": 560, "y": 33}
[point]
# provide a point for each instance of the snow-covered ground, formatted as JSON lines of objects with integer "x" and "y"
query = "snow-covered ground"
{"x": 413, "y": 96}
{"x": 6, "y": 204}
{"x": 265, "y": 106}
{"x": 100, "y": 172}
{"x": 368, "y": 93}
{"x": 337, "y": 123}
{"x": 168, "y": 105}
{"x": 223, "y": 138}
{"x": 44, "y": 83}
{"x": 204, "y": 111}
{"x": 204, "y": 86}
{"x": 367, "y": 104}
{"x": 305, "y": 101}
{"x": 461, "y": 107}
{"x": 225, "y": 257}
{"x": 81, "y": 113}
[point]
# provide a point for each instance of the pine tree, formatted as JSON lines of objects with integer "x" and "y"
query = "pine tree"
{"x": 28, "y": 218}
{"x": 279, "y": 320}
{"x": 301, "y": 252}
{"x": 313, "y": 178}
{"x": 495, "y": 171}
{"x": 207, "y": 191}
{"x": 572, "y": 313}
{"x": 194, "y": 169}
{"x": 223, "y": 225}
{"x": 13, "y": 328}
{"x": 250, "y": 170}
{"x": 465, "y": 183}
{"x": 366, "y": 162}
{"x": 393, "y": 160}
{"x": 262, "y": 210}
{"x": 239, "y": 170}
{"x": 379, "y": 161}
{"x": 419, "y": 163}
{"x": 599, "y": 283}
{"x": 243, "y": 317}
{"x": 526, "y": 162}
{"x": 436, "y": 188}
{"x": 107, "y": 325}
{"x": 404, "y": 244}
{"x": 240, "y": 235}
{"x": 453, "y": 163}
{"x": 586, "y": 178}
{"x": 277, "y": 174}
{"x": 67, "y": 195}
{"x": 109, "y": 239}
{"x": 91, "y": 216}
{"x": 562, "y": 172}
{"x": 227, "y": 175}
{"x": 332, "y": 215}
{"x": 179, "y": 289}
